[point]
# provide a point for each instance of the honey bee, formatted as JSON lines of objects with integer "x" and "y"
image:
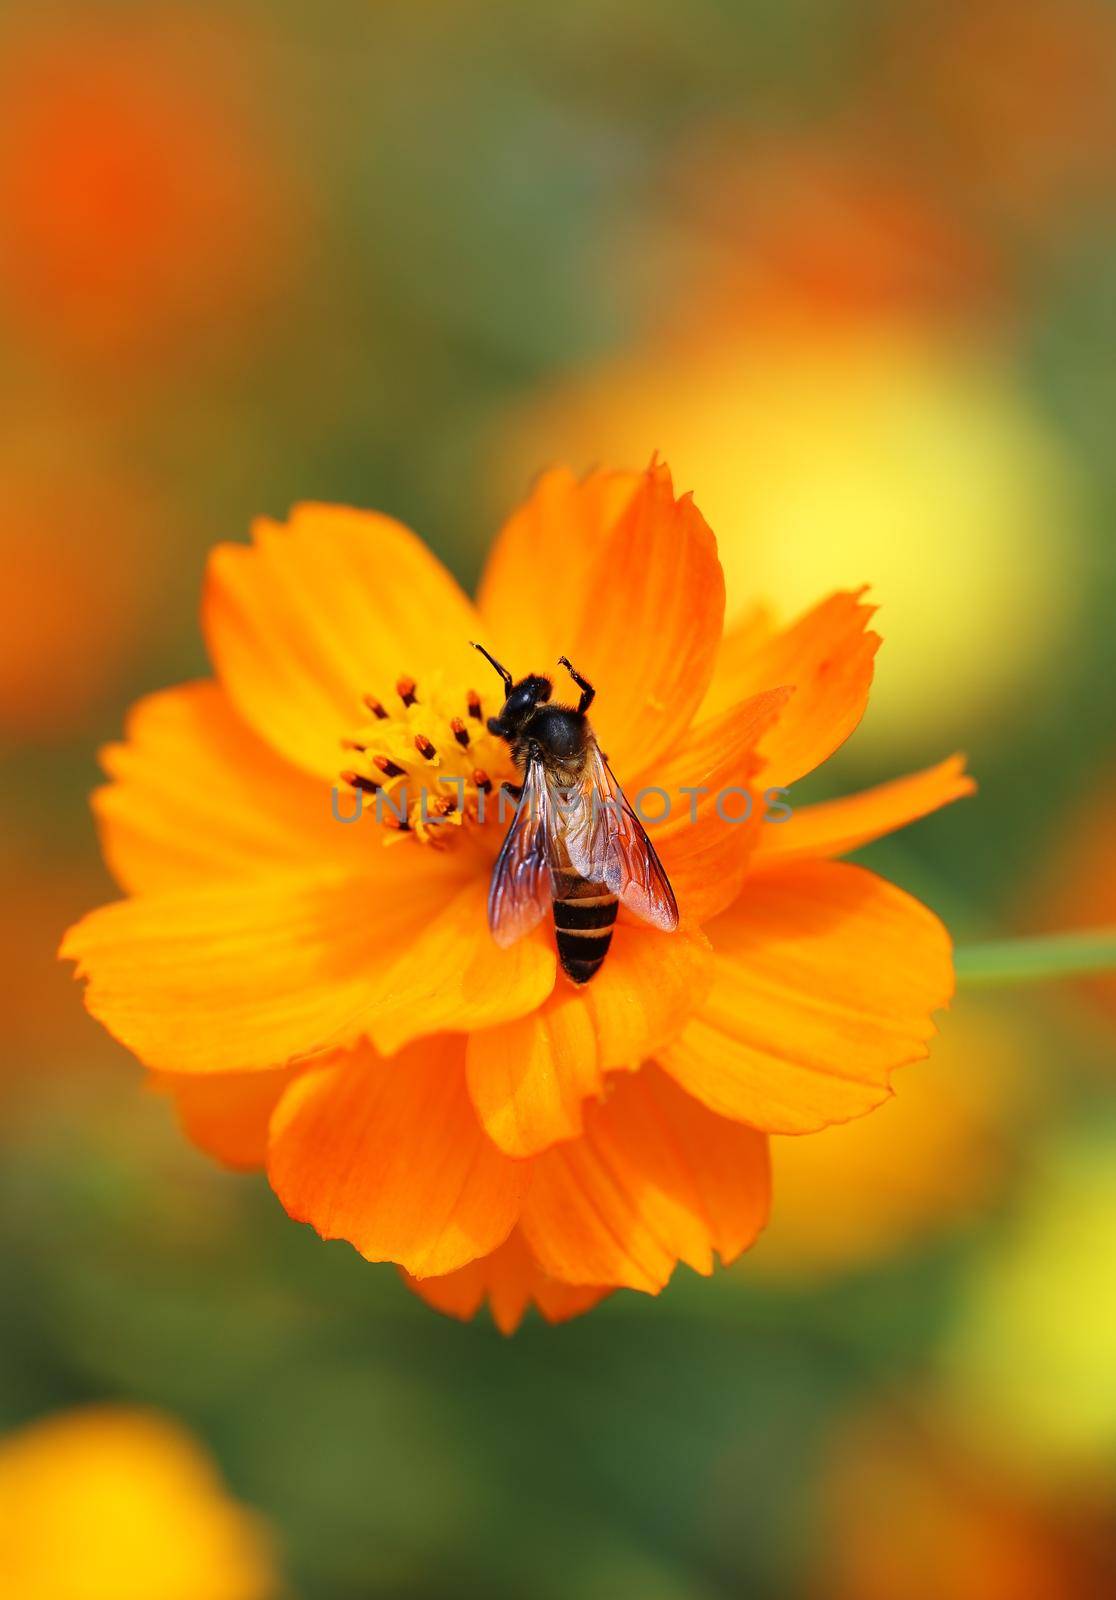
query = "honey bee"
{"x": 574, "y": 846}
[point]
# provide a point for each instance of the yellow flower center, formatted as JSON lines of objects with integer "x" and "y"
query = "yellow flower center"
{"x": 426, "y": 761}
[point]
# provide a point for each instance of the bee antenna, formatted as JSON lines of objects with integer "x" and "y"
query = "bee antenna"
{"x": 503, "y": 671}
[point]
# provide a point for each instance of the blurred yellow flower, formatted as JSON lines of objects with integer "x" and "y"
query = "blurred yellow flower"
{"x": 831, "y": 454}
{"x": 112, "y": 1503}
{"x": 1031, "y": 1354}
{"x": 933, "y": 1157}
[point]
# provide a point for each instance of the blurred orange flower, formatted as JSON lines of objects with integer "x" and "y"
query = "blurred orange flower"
{"x": 815, "y": 232}
{"x": 909, "y": 1509}
{"x": 1013, "y": 106}
{"x": 1077, "y": 885}
{"x": 44, "y": 1025}
{"x": 79, "y": 581}
{"x": 140, "y": 196}
{"x": 328, "y": 1000}
{"x": 110, "y": 1503}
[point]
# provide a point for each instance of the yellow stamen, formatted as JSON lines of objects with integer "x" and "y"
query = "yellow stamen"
{"x": 427, "y": 762}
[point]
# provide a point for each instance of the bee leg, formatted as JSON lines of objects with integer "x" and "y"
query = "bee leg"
{"x": 587, "y": 689}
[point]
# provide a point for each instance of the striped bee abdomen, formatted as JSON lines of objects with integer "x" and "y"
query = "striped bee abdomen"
{"x": 584, "y": 914}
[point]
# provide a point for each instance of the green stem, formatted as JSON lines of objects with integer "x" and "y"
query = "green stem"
{"x": 1057, "y": 955}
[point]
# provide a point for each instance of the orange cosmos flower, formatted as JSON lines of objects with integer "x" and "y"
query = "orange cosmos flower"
{"x": 327, "y": 1000}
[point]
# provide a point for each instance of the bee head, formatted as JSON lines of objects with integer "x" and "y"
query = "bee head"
{"x": 522, "y": 699}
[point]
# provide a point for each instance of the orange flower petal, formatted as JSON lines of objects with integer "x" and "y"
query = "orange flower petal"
{"x": 826, "y": 979}
{"x": 837, "y": 826}
{"x": 197, "y": 796}
{"x": 245, "y": 976}
{"x": 390, "y": 1156}
{"x": 510, "y": 1279}
{"x": 827, "y": 655}
{"x": 637, "y": 603}
{"x": 538, "y": 578}
{"x": 528, "y": 1078}
{"x": 314, "y": 615}
{"x": 254, "y": 975}
{"x": 226, "y": 1114}
{"x": 655, "y": 1180}
{"x": 452, "y": 975}
{"x": 706, "y": 841}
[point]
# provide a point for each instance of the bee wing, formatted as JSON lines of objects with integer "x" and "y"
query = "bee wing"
{"x": 520, "y": 892}
{"x": 607, "y": 843}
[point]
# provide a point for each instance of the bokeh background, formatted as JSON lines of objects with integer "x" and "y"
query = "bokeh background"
{"x": 848, "y": 265}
